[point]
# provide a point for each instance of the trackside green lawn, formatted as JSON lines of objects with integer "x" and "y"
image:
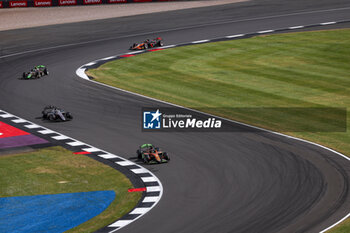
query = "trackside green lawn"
{"x": 307, "y": 69}
{"x": 56, "y": 170}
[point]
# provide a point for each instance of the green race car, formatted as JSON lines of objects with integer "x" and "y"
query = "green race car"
{"x": 151, "y": 154}
{"x": 36, "y": 72}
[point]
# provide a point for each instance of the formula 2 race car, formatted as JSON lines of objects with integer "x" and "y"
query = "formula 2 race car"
{"x": 150, "y": 154}
{"x": 158, "y": 42}
{"x": 36, "y": 72}
{"x": 53, "y": 113}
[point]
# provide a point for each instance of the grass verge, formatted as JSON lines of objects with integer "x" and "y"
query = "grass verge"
{"x": 301, "y": 70}
{"x": 57, "y": 170}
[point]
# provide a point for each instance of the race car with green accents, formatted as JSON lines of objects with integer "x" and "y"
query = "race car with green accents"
{"x": 151, "y": 154}
{"x": 37, "y": 72}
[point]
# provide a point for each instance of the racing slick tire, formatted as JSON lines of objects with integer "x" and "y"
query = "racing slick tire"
{"x": 166, "y": 156}
{"x": 46, "y": 72}
{"x": 146, "y": 159}
{"x": 24, "y": 75}
{"x": 139, "y": 155}
{"x": 52, "y": 117}
{"x": 69, "y": 116}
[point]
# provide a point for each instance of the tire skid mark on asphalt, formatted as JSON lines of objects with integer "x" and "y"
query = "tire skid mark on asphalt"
{"x": 81, "y": 73}
{"x": 152, "y": 185}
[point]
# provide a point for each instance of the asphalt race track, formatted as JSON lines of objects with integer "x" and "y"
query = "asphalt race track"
{"x": 216, "y": 182}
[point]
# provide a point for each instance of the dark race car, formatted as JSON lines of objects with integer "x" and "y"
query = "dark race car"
{"x": 36, "y": 72}
{"x": 158, "y": 42}
{"x": 53, "y": 113}
{"x": 150, "y": 154}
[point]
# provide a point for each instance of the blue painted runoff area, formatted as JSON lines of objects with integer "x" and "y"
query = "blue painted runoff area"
{"x": 51, "y": 213}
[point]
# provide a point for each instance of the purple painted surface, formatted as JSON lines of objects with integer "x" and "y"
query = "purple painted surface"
{"x": 17, "y": 141}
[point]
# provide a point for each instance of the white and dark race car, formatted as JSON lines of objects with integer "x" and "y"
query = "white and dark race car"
{"x": 37, "y": 72}
{"x": 53, "y": 113}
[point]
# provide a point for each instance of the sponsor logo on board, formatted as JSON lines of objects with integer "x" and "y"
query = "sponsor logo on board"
{"x": 92, "y": 1}
{"x": 67, "y": 2}
{"x": 18, "y": 3}
{"x": 117, "y": 1}
{"x": 39, "y": 3}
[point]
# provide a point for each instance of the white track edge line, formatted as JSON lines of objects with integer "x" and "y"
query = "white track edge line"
{"x": 234, "y": 36}
{"x": 265, "y": 31}
{"x": 199, "y": 41}
{"x": 296, "y": 27}
{"x": 328, "y": 23}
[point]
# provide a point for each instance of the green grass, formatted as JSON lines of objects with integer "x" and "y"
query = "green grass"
{"x": 343, "y": 227}
{"x": 308, "y": 69}
{"x": 56, "y": 170}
